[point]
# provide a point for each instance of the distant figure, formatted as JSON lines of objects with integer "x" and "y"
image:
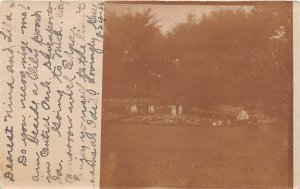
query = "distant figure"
{"x": 173, "y": 110}
{"x": 214, "y": 114}
{"x": 228, "y": 122}
{"x": 243, "y": 116}
{"x": 180, "y": 110}
{"x": 133, "y": 109}
{"x": 151, "y": 109}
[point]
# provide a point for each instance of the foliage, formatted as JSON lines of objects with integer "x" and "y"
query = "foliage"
{"x": 229, "y": 56}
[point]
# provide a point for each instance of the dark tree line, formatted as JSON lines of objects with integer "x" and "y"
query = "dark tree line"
{"x": 230, "y": 56}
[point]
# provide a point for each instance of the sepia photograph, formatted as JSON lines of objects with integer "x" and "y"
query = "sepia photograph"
{"x": 197, "y": 95}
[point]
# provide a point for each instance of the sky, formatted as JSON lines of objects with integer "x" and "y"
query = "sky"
{"x": 170, "y": 15}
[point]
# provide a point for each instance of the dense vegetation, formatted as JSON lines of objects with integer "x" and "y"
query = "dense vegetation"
{"x": 230, "y": 56}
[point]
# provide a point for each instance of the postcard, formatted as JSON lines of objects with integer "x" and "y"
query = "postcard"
{"x": 149, "y": 94}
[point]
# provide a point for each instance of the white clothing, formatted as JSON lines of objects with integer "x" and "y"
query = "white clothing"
{"x": 243, "y": 115}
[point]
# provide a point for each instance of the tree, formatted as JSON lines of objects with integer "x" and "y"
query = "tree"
{"x": 132, "y": 54}
{"x": 232, "y": 56}
{"x": 228, "y": 57}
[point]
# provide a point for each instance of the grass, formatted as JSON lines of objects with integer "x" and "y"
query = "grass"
{"x": 135, "y": 155}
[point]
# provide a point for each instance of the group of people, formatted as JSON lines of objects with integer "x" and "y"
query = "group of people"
{"x": 242, "y": 118}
